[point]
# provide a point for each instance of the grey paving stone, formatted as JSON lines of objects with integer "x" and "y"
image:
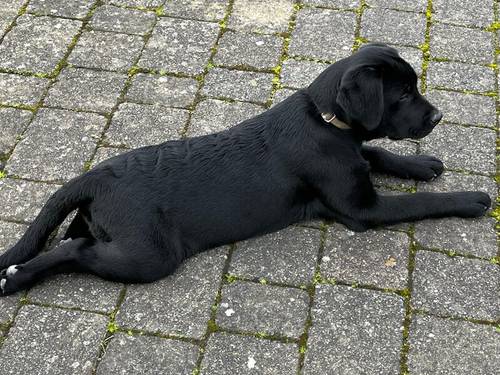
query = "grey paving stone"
{"x": 248, "y": 50}
{"x": 136, "y": 125}
{"x": 56, "y": 145}
{"x": 456, "y": 286}
{"x": 179, "y": 45}
{"x": 104, "y": 153}
{"x": 148, "y": 355}
{"x": 378, "y": 258}
{"x": 299, "y": 74}
{"x": 442, "y": 346}
{"x": 337, "y": 4}
{"x": 86, "y": 90}
{"x": 323, "y": 34}
{"x": 37, "y": 44}
{"x": 17, "y": 89}
{"x": 288, "y": 256}
{"x": 459, "y": 147}
{"x": 12, "y": 122}
{"x": 261, "y": 16}
{"x": 413, "y": 56}
{"x": 282, "y": 94}
{"x": 461, "y": 43}
{"x": 258, "y": 308}
{"x": 137, "y": 3}
{"x": 22, "y": 200}
{"x": 52, "y": 341}
{"x": 228, "y": 354}
{"x": 179, "y": 304}
{"x": 466, "y": 12}
{"x": 63, "y": 8}
{"x": 239, "y": 85}
{"x": 12, "y": 5}
{"x": 354, "y": 331}
{"x": 207, "y": 10}
{"x": 412, "y": 5}
{"x": 211, "y": 116}
{"x": 460, "y": 76}
{"x": 122, "y": 20}
{"x": 106, "y": 50}
{"x": 7, "y": 16}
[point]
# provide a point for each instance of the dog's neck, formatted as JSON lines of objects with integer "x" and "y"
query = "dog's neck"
{"x": 332, "y": 119}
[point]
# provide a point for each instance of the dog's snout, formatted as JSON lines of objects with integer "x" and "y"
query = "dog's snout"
{"x": 436, "y": 117}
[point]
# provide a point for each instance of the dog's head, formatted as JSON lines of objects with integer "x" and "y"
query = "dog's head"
{"x": 375, "y": 92}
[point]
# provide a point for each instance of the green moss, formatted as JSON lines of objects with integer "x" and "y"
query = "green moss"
{"x": 133, "y": 70}
{"x": 495, "y": 260}
{"x": 3, "y": 174}
{"x": 112, "y": 327}
{"x": 263, "y": 281}
{"x": 494, "y": 26}
{"x": 160, "y": 11}
{"x": 230, "y": 278}
{"x": 212, "y": 326}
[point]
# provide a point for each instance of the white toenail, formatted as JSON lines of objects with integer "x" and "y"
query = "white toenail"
{"x": 65, "y": 241}
{"x": 2, "y": 284}
{"x": 12, "y": 270}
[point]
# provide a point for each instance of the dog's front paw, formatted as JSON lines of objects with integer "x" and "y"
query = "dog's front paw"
{"x": 424, "y": 167}
{"x": 472, "y": 203}
{"x": 6, "y": 280}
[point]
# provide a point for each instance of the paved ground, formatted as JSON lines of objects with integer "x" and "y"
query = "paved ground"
{"x": 82, "y": 80}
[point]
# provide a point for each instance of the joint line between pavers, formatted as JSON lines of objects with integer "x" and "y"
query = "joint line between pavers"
{"x": 21, "y": 11}
{"x": 423, "y": 312}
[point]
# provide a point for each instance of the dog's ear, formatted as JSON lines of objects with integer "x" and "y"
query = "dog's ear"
{"x": 361, "y": 95}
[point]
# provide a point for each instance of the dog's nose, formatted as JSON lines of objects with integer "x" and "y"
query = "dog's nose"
{"x": 436, "y": 117}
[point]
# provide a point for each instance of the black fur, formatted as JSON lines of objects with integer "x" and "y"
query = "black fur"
{"x": 142, "y": 213}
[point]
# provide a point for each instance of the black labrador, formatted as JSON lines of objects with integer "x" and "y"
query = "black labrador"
{"x": 142, "y": 213}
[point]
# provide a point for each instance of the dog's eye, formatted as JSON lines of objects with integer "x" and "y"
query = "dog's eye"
{"x": 406, "y": 93}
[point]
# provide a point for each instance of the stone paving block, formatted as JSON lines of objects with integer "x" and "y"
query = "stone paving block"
{"x": 179, "y": 304}
{"x": 323, "y": 34}
{"x": 299, "y": 74}
{"x": 148, "y": 355}
{"x": 12, "y": 122}
{"x": 413, "y": 56}
{"x": 56, "y": 145}
{"x": 104, "y": 153}
{"x": 257, "y": 308}
{"x": 22, "y": 200}
{"x": 288, "y": 256}
{"x": 473, "y": 149}
{"x": 411, "y": 5}
{"x": 466, "y": 12}
{"x": 456, "y": 286}
{"x": 137, "y": 3}
{"x": 211, "y": 116}
{"x": 228, "y": 354}
{"x": 262, "y": 16}
{"x": 122, "y": 20}
{"x": 7, "y": 16}
{"x": 105, "y": 50}
{"x": 52, "y": 341}
{"x": 354, "y": 331}
{"x": 136, "y": 125}
{"x": 207, "y": 10}
{"x": 180, "y": 46}
{"x": 337, "y": 4}
{"x": 443, "y": 346}
{"x": 282, "y": 94}
{"x": 378, "y": 258}
{"x": 461, "y": 43}
{"x": 390, "y": 26}
{"x": 249, "y": 50}
{"x": 460, "y": 76}
{"x": 86, "y": 90}
{"x": 37, "y": 44}
{"x": 17, "y": 89}
{"x": 61, "y": 8}
{"x": 162, "y": 90}
{"x": 239, "y": 85}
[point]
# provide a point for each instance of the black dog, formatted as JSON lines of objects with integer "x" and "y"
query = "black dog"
{"x": 142, "y": 213}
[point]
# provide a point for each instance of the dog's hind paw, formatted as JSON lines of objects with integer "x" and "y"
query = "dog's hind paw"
{"x": 6, "y": 274}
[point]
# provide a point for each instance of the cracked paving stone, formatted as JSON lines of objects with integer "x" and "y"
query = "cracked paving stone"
{"x": 249, "y": 50}
{"x": 288, "y": 256}
{"x": 137, "y": 3}
{"x": 411, "y": 5}
{"x": 299, "y": 74}
{"x": 377, "y": 258}
{"x": 180, "y": 46}
{"x": 262, "y": 16}
{"x": 460, "y": 147}
{"x": 61, "y": 8}
{"x": 37, "y": 44}
{"x": 413, "y": 56}
{"x": 163, "y": 90}
{"x": 267, "y": 309}
{"x": 122, "y": 20}
{"x": 460, "y": 76}
{"x": 354, "y": 331}
{"x": 239, "y": 85}
{"x": 465, "y": 12}
{"x": 443, "y": 346}
{"x": 211, "y": 116}
{"x": 339, "y": 4}
{"x": 22, "y": 200}
{"x": 317, "y": 30}
{"x": 12, "y": 122}
{"x": 87, "y": 90}
{"x": 179, "y": 304}
{"x": 136, "y": 125}
{"x": 56, "y": 145}
{"x": 16, "y": 89}
{"x": 456, "y": 286}
{"x": 207, "y": 10}
{"x": 52, "y": 341}
{"x": 106, "y": 50}
{"x": 228, "y": 354}
{"x": 282, "y": 94}
{"x": 148, "y": 355}
{"x": 105, "y": 153}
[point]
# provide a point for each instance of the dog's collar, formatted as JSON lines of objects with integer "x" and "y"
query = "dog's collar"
{"x": 332, "y": 119}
